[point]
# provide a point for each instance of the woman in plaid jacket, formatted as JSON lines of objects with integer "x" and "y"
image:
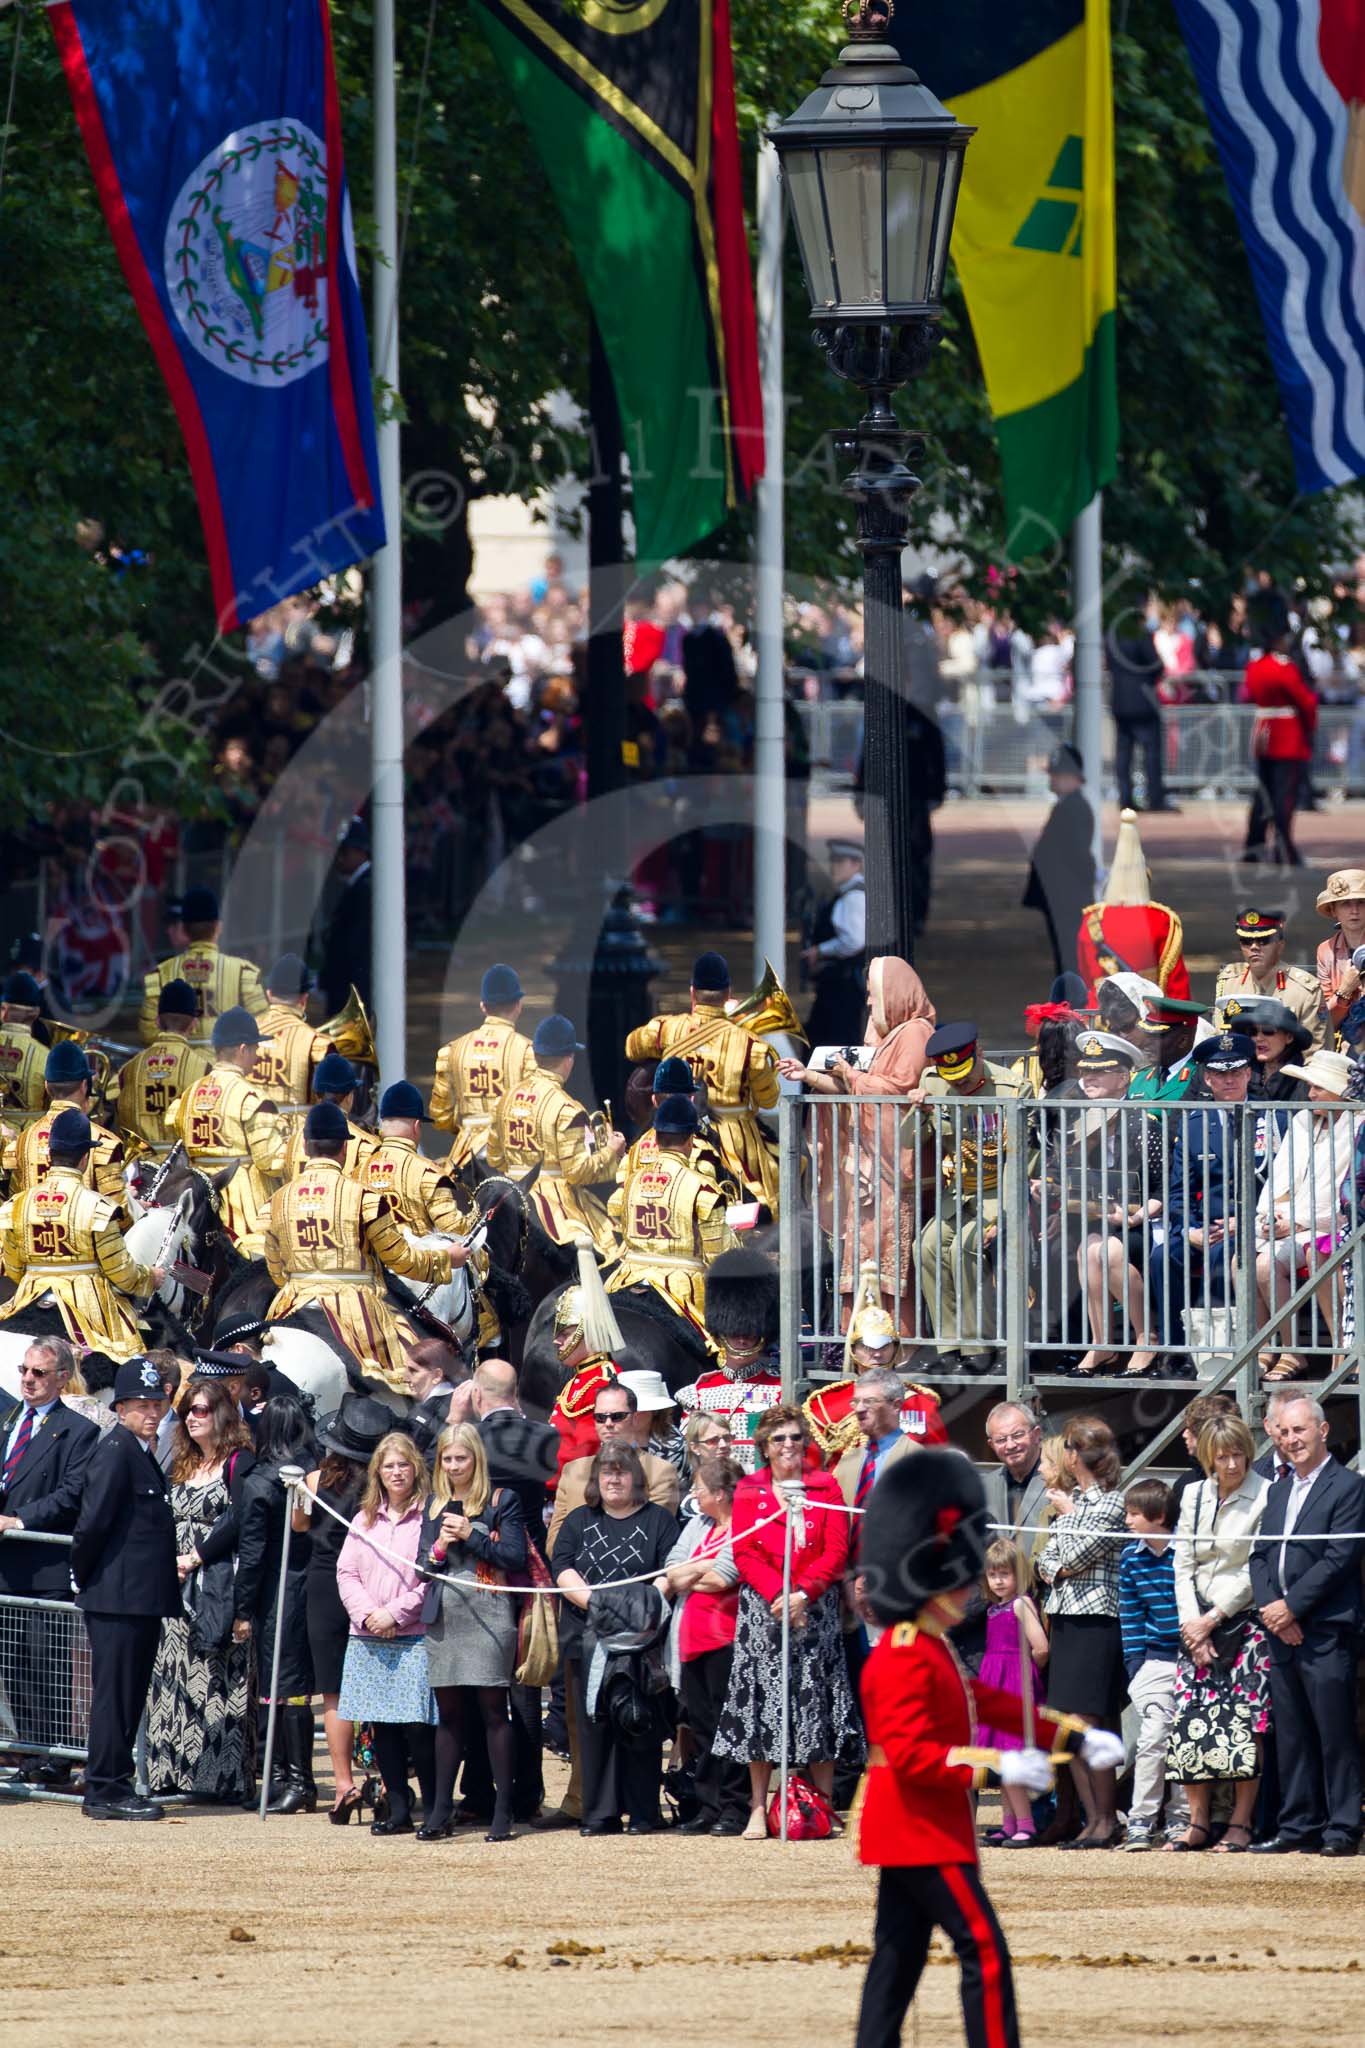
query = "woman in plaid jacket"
{"x": 1080, "y": 1567}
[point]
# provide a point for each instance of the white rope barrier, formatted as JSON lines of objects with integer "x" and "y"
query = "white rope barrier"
{"x": 469, "y": 1585}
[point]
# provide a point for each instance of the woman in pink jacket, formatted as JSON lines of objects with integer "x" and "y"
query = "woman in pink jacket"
{"x": 384, "y": 1679}
{"x": 825, "y": 1728}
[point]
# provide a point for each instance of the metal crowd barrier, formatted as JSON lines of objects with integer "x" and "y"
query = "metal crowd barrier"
{"x": 990, "y": 744}
{"x": 44, "y": 1678}
{"x": 1026, "y": 1234}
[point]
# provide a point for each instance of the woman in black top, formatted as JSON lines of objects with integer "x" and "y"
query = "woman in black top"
{"x": 619, "y": 1533}
{"x": 283, "y": 1437}
{"x": 347, "y": 1441}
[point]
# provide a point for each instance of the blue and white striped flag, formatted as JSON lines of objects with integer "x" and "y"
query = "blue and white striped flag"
{"x": 1284, "y": 85}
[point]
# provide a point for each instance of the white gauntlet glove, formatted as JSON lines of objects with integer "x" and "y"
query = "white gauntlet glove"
{"x": 1031, "y": 1768}
{"x": 1101, "y": 1750}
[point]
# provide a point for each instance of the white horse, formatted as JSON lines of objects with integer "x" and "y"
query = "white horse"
{"x": 157, "y": 1238}
{"x": 452, "y": 1301}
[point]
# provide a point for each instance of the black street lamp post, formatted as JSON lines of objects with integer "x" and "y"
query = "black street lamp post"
{"x": 871, "y": 162}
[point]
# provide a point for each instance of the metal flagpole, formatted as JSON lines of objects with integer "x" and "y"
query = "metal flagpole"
{"x": 1087, "y": 606}
{"x": 290, "y": 1477}
{"x": 770, "y": 789}
{"x": 784, "y": 1764}
{"x": 388, "y": 943}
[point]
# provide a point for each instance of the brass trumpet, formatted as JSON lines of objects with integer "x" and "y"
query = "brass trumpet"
{"x": 352, "y": 1033}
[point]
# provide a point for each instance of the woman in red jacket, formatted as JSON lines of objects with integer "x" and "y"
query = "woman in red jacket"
{"x": 825, "y": 1728}
{"x": 1282, "y": 743}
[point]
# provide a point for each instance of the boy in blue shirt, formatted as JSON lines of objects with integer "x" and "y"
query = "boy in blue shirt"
{"x": 1151, "y": 1642}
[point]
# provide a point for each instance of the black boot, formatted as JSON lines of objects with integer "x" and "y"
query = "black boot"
{"x": 299, "y": 1793}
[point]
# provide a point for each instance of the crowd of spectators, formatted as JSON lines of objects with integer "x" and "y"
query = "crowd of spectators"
{"x": 1211, "y": 1615}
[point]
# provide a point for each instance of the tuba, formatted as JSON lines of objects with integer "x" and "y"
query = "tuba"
{"x": 769, "y": 1008}
{"x": 352, "y": 1033}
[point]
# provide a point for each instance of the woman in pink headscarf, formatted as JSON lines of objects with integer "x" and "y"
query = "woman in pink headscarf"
{"x": 900, "y": 1024}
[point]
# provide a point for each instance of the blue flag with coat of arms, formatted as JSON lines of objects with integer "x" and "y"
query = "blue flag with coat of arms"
{"x": 213, "y": 130}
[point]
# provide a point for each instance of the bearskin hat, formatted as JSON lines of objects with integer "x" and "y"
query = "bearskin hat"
{"x": 924, "y": 1533}
{"x": 742, "y": 1296}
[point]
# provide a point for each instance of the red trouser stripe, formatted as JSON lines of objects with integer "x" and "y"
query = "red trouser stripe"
{"x": 959, "y": 1884}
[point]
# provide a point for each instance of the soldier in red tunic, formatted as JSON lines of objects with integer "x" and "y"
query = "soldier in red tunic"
{"x": 923, "y": 1546}
{"x": 586, "y": 1333}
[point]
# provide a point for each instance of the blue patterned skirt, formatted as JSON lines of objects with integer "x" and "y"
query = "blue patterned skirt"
{"x": 386, "y": 1681}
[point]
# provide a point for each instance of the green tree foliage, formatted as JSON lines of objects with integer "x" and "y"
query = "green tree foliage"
{"x": 494, "y": 322}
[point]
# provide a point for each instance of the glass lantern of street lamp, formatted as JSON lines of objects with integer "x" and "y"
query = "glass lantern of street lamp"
{"x": 872, "y": 161}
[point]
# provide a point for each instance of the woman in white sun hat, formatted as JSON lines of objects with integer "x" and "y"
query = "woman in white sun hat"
{"x": 666, "y": 1439}
{"x": 1297, "y": 1220}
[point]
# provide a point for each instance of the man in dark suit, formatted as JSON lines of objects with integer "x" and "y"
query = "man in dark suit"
{"x": 431, "y": 1373}
{"x": 346, "y": 960}
{"x": 1309, "y": 1597}
{"x": 1061, "y": 875}
{"x": 123, "y": 1560}
{"x": 44, "y": 1450}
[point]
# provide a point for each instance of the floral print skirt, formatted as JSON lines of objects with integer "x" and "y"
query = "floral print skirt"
{"x": 1219, "y": 1711}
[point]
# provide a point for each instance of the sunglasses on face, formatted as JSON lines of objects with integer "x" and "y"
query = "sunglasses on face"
{"x": 198, "y": 1411}
{"x": 786, "y": 1439}
{"x": 612, "y": 1415}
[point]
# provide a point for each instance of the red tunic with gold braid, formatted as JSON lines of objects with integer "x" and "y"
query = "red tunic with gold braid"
{"x": 1136, "y": 938}
{"x": 572, "y": 1412}
{"x": 921, "y": 1710}
{"x": 834, "y": 1426}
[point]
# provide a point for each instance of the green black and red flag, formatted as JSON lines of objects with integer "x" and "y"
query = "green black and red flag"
{"x": 631, "y": 107}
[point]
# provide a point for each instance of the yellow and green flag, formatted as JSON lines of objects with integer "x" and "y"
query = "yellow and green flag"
{"x": 1034, "y": 239}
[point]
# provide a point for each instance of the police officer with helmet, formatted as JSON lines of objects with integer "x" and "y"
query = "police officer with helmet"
{"x": 123, "y": 1561}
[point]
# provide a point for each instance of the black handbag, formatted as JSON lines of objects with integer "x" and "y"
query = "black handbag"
{"x": 208, "y": 1601}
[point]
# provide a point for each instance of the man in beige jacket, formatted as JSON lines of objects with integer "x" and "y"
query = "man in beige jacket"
{"x": 619, "y": 1419}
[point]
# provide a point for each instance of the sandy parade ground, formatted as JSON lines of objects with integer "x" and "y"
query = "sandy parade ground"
{"x": 209, "y": 1928}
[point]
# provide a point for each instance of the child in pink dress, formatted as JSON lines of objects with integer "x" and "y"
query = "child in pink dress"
{"x": 1006, "y": 1584}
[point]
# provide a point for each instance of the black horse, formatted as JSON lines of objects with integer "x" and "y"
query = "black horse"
{"x": 653, "y": 1334}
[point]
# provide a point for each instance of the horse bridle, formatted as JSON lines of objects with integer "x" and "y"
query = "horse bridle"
{"x": 503, "y": 1180}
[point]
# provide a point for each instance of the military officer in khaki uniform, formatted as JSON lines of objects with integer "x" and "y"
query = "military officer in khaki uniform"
{"x": 474, "y": 1073}
{"x": 67, "y": 1079}
{"x": 334, "y": 1080}
{"x": 740, "y": 1072}
{"x": 225, "y": 1120}
{"x": 22, "y": 1058}
{"x": 157, "y": 1076}
{"x": 220, "y": 980}
{"x": 671, "y": 1217}
{"x": 1261, "y": 972}
{"x": 62, "y": 1238}
{"x": 326, "y": 1239}
{"x": 290, "y": 1050}
{"x": 952, "y": 1249}
{"x": 540, "y": 1124}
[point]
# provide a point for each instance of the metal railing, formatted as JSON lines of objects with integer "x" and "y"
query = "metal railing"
{"x": 44, "y": 1677}
{"x": 1000, "y": 746}
{"x": 1013, "y": 1238}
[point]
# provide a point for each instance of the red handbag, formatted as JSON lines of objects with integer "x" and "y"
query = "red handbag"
{"x": 810, "y": 1817}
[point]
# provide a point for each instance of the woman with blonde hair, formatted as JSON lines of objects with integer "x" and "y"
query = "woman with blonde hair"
{"x": 1080, "y": 1567}
{"x": 384, "y": 1678}
{"x": 471, "y": 1530}
{"x": 1222, "y": 1673}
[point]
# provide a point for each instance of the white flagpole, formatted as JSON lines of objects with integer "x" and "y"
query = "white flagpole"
{"x": 389, "y": 941}
{"x": 770, "y": 789}
{"x": 1087, "y": 663}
